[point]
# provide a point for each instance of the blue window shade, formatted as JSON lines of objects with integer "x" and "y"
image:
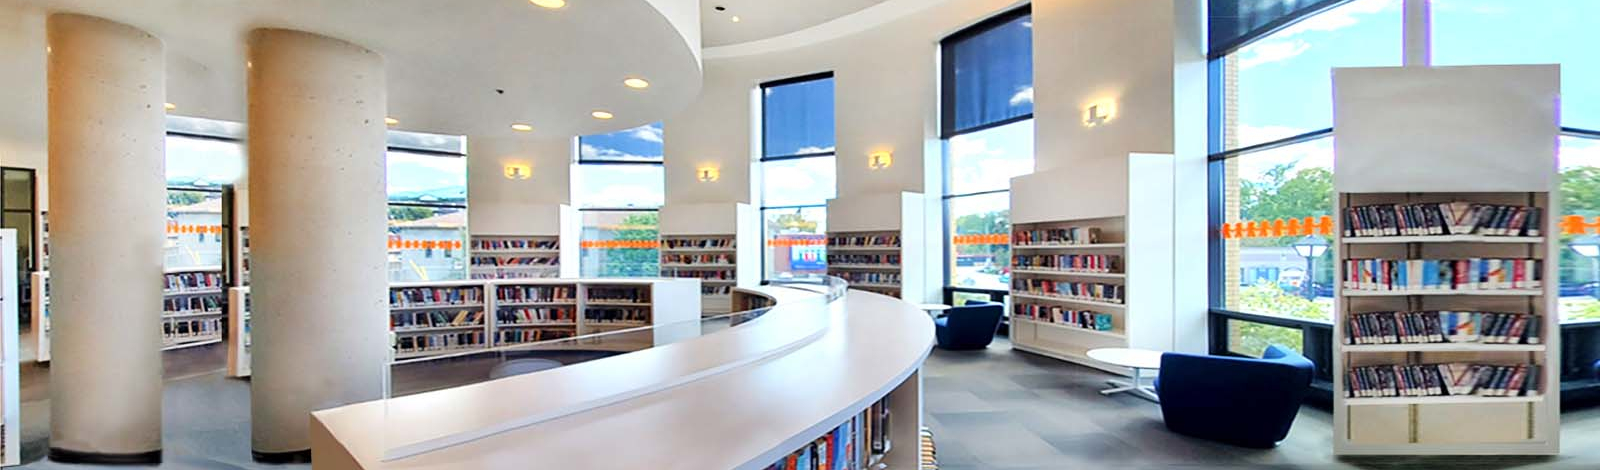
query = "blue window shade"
{"x": 797, "y": 117}
{"x": 988, "y": 73}
{"x": 1233, "y": 23}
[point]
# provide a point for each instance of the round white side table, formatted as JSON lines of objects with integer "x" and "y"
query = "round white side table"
{"x": 1138, "y": 360}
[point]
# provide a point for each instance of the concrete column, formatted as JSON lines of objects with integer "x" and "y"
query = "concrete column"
{"x": 317, "y": 233}
{"x": 107, "y": 151}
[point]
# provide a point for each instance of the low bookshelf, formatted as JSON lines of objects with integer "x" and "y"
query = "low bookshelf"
{"x": 709, "y": 241}
{"x": 192, "y": 307}
{"x": 1096, "y": 273}
{"x": 434, "y": 318}
{"x": 532, "y": 312}
{"x": 515, "y": 257}
{"x": 238, "y": 332}
{"x": 875, "y": 243}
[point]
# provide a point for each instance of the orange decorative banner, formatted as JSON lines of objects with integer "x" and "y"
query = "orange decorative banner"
{"x": 1278, "y": 228}
{"x": 981, "y": 239}
{"x": 402, "y": 244}
{"x": 1577, "y": 225}
{"x": 620, "y": 244}
{"x": 797, "y": 242}
{"x": 174, "y": 228}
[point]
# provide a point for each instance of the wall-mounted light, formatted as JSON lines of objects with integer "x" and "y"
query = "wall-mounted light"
{"x": 880, "y": 160}
{"x": 708, "y": 174}
{"x": 1099, "y": 112}
{"x": 518, "y": 171}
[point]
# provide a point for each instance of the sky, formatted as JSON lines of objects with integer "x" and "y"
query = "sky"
{"x": 1285, "y": 88}
{"x": 621, "y": 186}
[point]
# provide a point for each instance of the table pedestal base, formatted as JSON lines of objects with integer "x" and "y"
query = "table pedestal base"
{"x": 1136, "y": 387}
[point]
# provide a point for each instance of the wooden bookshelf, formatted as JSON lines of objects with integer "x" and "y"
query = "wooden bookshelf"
{"x": 1422, "y": 136}
{"x": 438, "y": 318}
{"x": 238, "y": 332}
{"x": 192, "y": 307}
{"x": 514, "y": 257}
{"x": 869, "y": 260}
{"x": 877, "y": 243}
{"x": 1096, "y": 273}
{"x": 532, "y": 312}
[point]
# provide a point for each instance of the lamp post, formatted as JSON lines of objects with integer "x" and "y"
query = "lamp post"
{"x": 1588, "y": 246}
{"x": 1312, "y": 247}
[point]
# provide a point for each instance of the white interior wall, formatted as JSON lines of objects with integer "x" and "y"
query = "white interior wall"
{"x": 500, "y": 205}
{"x": 22, "y": 123}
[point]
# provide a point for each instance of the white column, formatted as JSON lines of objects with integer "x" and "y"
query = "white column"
{"x": 1417, "y": 33}
{"x": 317, "y": 233}
{"x": 107, "y": 192}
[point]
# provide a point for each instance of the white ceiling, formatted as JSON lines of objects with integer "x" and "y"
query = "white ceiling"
{"x": 762, "y": 19}
{"x": 445, "y": 58}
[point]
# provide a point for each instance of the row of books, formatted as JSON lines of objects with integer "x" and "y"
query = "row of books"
{"x": 435, "y": 319}
{"x": 697, "y": 259}
{"x": 868, "y": 277}
{"x": 835, "y": 450}
{"x": 638, "y": 294}
{"x": 888, "y": 240}
{"x": 1077, "y": 290}
{"x": 440, "y": 342}
{"x": 172, "y": 330}
{"x": 616, "y": 315}
{"x": 491, "y": 244}
{"x": 700, "y": 273}
{"x": 1433, "y": 380}
{"x": 696, "y": 243}
{"x": 1072, "y": 263}
{"x": 893, "y": 259}
{"x": 1443, "y": 327}
{"x": 424, "y": 296}
{"x": 534, "y": 335}
{"x": 535, "y": 293}
{"x": 1442, "y": 274}
{"x": 716, "y": 289}
{"x": 535, "y": 315}
{"x": 1056, "y": 236}
{"x": 515, "y": 261}
{"x": 192, "y": 304}
{"x": 875, "y": 427}
{"x": 192, "y": 281}
{"x": 1442, "y": 218}
{"x": 1085, "y": 319}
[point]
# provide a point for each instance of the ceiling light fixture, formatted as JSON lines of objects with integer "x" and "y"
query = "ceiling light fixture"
{"x": 520, "y": 127}
{"x": 551, "y": 4}
{"x": 391, "y": 121}
{"x": 735, "y": 18}
{"x": 601, "y": 115}
{"x": 170, "y": 106}
{"x": 636, "y": 83}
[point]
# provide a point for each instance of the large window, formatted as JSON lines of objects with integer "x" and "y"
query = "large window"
{"x": 619, "y": 186}
{"x": 203, "y": 156}
{"x": 427, "y": 207}
{"x": 987, "y": 126}
{"x": 797, "y": 173}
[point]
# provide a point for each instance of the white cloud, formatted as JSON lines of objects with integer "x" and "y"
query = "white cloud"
{"x": 1339, "y": 18}
{"x": 1577, "y": 152}
{"x": 1024, "y": 95}
{"x": 810, "y": 149}
{"x": 1268, "y": 52}
{"x": 648, "y": 133}
{"x": 587, "y": 151}
{"x": 1027, "y": 24}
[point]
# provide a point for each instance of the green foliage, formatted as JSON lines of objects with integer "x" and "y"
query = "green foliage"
{"x": 184, "y": 198}
{"x": 409, "y": 213}
{"x": 1267, "y": 298}
{"x": 1580, "y": 190}
{"x": 635, "y": 262}
{"x": 1589, "y": 311}
{"x": 793, "y": 222}
{"x": 1278, "y": 195}
{"x": 985, "y": 223}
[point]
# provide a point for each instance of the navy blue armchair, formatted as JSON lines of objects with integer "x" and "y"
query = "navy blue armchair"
{"x": 1245, "y": 402}
{"x": 971, "y": 326}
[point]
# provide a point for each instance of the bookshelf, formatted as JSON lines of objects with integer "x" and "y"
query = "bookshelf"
{"x": 191, "y": 311}
{"x": 707, "y": 241}
{"x": 432, "y": 319}
{"x": 1096, "y": 273}
{"x": 238, "y": 332}
{"x": 878, "y": 243}
{"x": 241, "y": 259}
{"x": 1446, "y": 326}
{"x": 10, "y": 385}
{"x": 41, "y": 315}
{"x": 528, "y": 246}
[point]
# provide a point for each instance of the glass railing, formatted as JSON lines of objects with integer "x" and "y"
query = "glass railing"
{"x": 418, "y": 422}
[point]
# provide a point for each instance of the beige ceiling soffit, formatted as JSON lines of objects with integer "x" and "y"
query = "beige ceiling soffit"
{"x": 853, "y": 23}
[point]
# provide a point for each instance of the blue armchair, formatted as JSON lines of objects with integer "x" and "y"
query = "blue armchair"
{"x": 971, "y": 326}
{"x": 1245, "y": 402}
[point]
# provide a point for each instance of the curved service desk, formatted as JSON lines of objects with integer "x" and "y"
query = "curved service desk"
{"x": 740, "y": 398}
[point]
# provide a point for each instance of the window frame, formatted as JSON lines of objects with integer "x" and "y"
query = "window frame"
{"x": 762, "y": 159}
{"x": 812, "y": 77}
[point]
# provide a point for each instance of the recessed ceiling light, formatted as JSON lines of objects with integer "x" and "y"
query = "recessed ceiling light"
{"x": 391, "y": 121}
{"x": 735, "y": 18}
{"x": 550, "y": 3}
{"x": 636, "y": 83}
{"x": 170, "y": 106}
{"x": 519, "y": 127}
{"x": 601, "y": 115}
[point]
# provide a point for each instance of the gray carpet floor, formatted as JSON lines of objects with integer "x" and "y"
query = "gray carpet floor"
{"x": 995, "y": 409}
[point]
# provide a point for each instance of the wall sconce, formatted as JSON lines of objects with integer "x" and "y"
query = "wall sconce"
{"x": 880, "y": 160}
{"x": 518, "y": 171}
{"x": 708, "y": 174}
{"x": 1099, "y": 112}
